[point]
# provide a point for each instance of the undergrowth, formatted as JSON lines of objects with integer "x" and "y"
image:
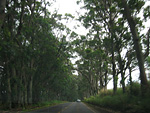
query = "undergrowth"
{"x": 43, "y": 105}
{"x": 129, "y": 102}
{"x": 33, "y": 106}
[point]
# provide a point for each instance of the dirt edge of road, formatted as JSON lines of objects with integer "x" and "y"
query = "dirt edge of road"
{"x": 97, "y": 108}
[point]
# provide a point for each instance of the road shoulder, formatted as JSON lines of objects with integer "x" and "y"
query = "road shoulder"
{"x": 98, "y": 109}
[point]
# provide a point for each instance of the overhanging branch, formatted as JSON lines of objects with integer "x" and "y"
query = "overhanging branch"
{"x": 147, "y": 50}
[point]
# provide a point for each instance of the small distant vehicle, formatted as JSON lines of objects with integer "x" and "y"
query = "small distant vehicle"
{"x": 78, "y": 100}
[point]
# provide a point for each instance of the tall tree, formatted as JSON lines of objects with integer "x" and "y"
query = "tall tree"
{"x": 34, "y": 55}
{"x": 2, "y": 11}
{"x": 136, "y": 39}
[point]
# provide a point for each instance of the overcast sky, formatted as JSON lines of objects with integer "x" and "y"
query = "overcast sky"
{"x": 71, "y": 7}
{"x": 66, "y": 6}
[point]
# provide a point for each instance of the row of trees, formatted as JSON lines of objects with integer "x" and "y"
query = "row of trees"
{"x": 34, "y": 55}
{"x": 114, "y": 45}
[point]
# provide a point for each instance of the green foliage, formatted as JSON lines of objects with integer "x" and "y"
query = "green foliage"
{"x": 148, "y": 61}
{"x": 109, "y": 35}
{"x": 130, "y": 103}
{"x": 136, "y": 4}
{"x": 49, "y": 103}
{"x": 134, "y": 89}
{"x": 146, "y": 13}
{"x": 69, "y": 15}
{"x": 116, "y": 102}
{"x": 42, "y": 105}
{"x": 34, "y": 57}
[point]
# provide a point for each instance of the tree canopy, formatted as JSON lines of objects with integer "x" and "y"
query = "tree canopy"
{"x": 37, "y": 48}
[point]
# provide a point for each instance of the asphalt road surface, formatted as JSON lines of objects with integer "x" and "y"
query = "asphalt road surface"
{"x": 71, "y": 107}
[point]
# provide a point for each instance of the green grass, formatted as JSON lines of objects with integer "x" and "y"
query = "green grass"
{"x": 43, "y": 105}
{"x": 36, "y": 106}
{"x": 126, "y": 103}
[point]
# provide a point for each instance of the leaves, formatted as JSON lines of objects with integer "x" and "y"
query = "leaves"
{"x": 136, "y": 4}
{"x": 35, "y": 54}
{"x": 146, "y": 13}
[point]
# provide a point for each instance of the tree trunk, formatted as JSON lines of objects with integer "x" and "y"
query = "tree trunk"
{"x": 121, "y": 70}
{"x": 20, "y": 93}
{"x": 130, "y": 79}
{"x": 9, "y": 93}
{"x": 2, "y": 11}
{"x": 115, "y": 79}
{"x": 100, "y": 75}
{"x": 0, "y": 93}
{"x": 101, "y": 83}
{"x": 123, "y": 82}
{"x": 9, "y": 103}
{"x": 25, "y": 96}
{"x": 30, "y": 87}
{"x": 30, "y": 90}
{"x": 106, "y": 78}
{"x": 14, "y": 88}
{"x": 25, "y": 87}
{"x": 112, "y": 36}
{"x": 137, "y": 46}
{"x": 96, "y": 85}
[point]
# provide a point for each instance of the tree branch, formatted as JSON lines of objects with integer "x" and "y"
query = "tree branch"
{"x": 147, "y": 50}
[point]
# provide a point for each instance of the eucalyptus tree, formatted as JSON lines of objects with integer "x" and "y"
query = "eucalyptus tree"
{"x": 129, "y": 10}
{"x": 2, "y": 11}
{"x": 12, "y": 44}
{"x": 103, "y": 15}
{"x": 92, "y": 64}
{"x": 123, "y": 43}
{"x": 32, "y": 55}
{"x": 114, "y": 16}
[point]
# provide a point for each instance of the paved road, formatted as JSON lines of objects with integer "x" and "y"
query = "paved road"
{"x": 72, "y": 107}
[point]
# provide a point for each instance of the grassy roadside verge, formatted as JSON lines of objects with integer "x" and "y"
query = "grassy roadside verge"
{"x": 34, "y": 106}
{"x": 43, "y": 105}
{"x": 125, "y": 103}
{"x": 102, "y": 109}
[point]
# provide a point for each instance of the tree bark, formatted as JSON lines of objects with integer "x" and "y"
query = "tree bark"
{"x": 20, "y": 93}
{"x": 9, "y": 103}
{"x": 123, "y": 81}
{"x": 9, "y": 94}
{"x": 100, "y": 75}
{"x": 14, "y": 88}
{"x": 101, "y": 82}
{"x": 115, "y": 79}
{"x": 30, "y": 90}
{"x": 137, "y": 46}
{"x": 121, "y": 70}
{"x": 112, "y": 36}
{"x": 130, "y": 79}
{"x": 2, "y": 11}
{"x": 105, "y": 80}
{"x": 25, "y": 85}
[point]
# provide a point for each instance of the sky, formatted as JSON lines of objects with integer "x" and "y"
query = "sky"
{"x": 66, "y": 6}
{"x": 70, "y": 6}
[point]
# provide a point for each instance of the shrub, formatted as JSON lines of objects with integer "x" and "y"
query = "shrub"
{"x": 128, "y": 102}
{"x": 134, "y": 89}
